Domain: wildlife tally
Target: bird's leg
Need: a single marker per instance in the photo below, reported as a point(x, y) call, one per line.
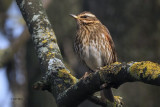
point(85, 75)
point(103, 86)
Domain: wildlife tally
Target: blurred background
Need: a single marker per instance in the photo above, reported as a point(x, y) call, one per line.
point(135, 29)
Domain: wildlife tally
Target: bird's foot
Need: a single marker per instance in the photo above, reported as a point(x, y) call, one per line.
point(103, 86)
point(85, 75)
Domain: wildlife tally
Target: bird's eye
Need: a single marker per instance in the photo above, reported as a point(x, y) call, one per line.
point(84, 16)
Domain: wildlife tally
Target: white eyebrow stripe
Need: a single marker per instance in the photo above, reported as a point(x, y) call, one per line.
point(88, 14)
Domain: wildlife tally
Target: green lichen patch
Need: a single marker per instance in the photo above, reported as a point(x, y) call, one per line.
point(68, 78)
point(50, 54)
point(118, 101)
point(117, 67)
point(44, 41)
point(113, 68)
point(111, 104)
point(145, 69)
point(60, 85)
point(116, 63)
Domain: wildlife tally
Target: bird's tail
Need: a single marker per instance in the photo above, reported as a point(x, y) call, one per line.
point(107, 94)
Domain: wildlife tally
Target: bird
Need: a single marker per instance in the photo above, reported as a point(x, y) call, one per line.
point(94, 45)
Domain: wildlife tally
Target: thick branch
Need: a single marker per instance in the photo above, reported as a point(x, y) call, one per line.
point(114, 75)
point(8, 53)
point(46, 45)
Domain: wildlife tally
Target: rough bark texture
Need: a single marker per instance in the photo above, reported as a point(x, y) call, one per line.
point(66, 89)
point(46, 45)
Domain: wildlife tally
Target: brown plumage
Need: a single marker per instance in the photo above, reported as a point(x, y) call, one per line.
point(94, 44)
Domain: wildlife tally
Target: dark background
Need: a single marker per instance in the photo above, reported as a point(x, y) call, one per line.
point(134, 26)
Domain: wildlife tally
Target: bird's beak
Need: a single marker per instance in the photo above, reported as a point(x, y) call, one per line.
point(74, 16)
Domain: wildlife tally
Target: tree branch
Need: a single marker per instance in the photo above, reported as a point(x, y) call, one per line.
point(66, 89)
point(114, 75)
point(8, 53)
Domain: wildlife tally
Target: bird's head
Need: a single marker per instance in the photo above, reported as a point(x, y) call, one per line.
point(85, 18)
